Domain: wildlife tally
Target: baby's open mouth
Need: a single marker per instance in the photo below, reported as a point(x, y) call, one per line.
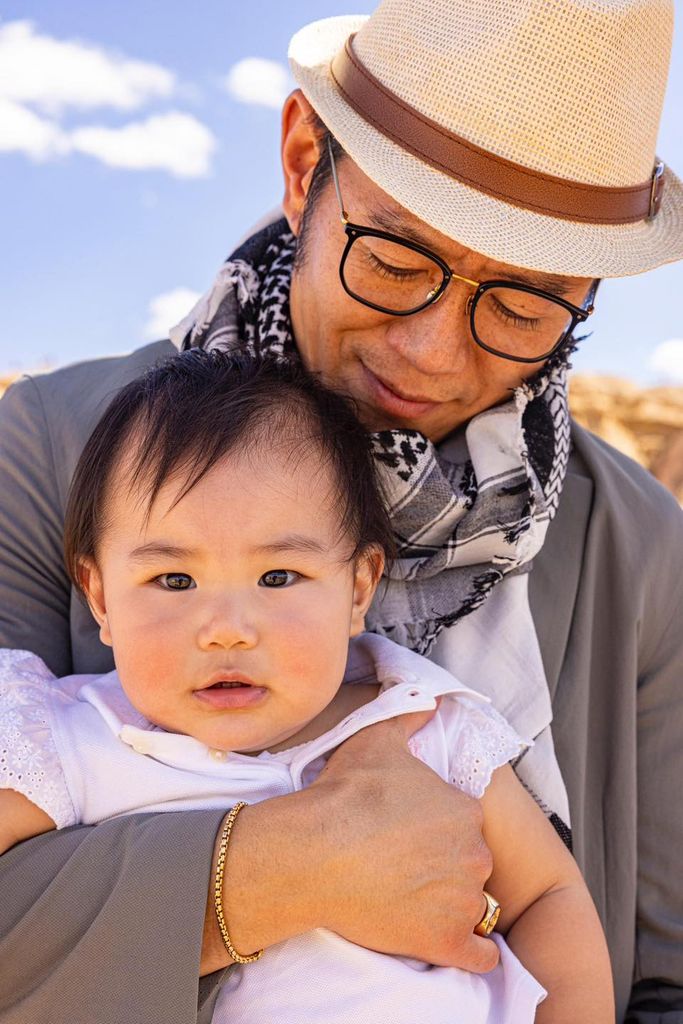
point(230, 693)
point(226, 686)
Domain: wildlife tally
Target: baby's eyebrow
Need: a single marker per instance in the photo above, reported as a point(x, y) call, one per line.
point(158, 549)
point(291, 542)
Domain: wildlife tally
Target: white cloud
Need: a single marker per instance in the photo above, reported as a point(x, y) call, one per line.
point(173, 142)
point(54, 74)
point(667, 360)
point(255, 80)
point(41, 77)
point(22, 131)
point(167, 309)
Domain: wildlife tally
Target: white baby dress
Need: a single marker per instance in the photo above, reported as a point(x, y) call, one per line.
point(79, 750)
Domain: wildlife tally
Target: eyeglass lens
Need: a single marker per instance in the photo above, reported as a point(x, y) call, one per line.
point(399, 279)
point(389, 274)
point(518, 323)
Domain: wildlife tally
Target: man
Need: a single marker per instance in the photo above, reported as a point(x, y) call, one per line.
point(483, 166)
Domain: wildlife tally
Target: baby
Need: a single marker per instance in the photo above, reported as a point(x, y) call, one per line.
point(226, 527)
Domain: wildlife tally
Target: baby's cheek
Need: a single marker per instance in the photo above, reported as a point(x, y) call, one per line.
point(315, 650)
point(147, 654)
point(160, 626)
point(302, 624)
point(151, 682)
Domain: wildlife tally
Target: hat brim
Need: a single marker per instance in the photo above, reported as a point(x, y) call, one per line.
point(487, 225)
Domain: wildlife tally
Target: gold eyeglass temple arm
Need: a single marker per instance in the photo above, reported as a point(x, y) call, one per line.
point(342, 212)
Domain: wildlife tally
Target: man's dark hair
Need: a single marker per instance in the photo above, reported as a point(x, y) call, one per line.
point(185, 415)
point(322, 175)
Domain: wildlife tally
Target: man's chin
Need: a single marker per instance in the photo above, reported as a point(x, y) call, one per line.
point(376, 420)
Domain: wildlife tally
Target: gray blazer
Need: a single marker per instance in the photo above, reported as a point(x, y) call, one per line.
point(606, 594)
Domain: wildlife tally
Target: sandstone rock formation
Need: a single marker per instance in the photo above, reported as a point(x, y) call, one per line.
point(645, 423)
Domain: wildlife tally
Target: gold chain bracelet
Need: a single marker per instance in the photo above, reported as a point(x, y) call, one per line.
point(218, 889)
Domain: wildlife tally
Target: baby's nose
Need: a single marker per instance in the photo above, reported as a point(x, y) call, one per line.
point(227, 625)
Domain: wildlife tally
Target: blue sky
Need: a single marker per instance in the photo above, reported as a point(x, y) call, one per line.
point(97, 254)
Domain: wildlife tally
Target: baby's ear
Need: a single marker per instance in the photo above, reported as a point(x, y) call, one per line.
point(90, 579)
point(367, 574)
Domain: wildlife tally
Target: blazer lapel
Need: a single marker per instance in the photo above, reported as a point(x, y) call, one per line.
point(554, 579)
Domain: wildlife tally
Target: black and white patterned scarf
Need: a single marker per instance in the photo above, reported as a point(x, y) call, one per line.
point(461, 525)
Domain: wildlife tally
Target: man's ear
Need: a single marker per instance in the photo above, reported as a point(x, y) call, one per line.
point(91, 583)
point(367, 574)
point(299, 152)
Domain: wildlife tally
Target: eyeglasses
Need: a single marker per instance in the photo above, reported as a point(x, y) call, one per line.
point(399, 277)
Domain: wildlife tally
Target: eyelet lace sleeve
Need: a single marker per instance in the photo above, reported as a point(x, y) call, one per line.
point(29, 762)
point(485, 741)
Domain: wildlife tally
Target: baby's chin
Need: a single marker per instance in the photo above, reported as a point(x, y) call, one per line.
point(227, 730)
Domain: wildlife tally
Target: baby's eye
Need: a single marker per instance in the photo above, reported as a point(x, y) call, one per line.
point(175, 581)
point(278, 578)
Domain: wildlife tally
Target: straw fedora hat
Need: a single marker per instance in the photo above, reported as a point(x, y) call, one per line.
point(524, 129)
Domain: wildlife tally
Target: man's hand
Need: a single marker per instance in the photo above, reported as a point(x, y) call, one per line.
point(379, 849)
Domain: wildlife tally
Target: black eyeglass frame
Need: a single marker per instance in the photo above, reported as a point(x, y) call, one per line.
point(353, 232)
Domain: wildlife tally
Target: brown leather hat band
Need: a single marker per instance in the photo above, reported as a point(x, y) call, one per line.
point(484, 171)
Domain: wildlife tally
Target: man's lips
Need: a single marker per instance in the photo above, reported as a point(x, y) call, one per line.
point(230, 689)
point(384, 396)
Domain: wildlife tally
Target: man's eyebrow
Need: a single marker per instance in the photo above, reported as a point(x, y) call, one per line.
point(158, 550)
point(388, 220)
point(291, 542)
point(544, 283)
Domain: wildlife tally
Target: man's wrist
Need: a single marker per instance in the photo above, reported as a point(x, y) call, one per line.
point(270, 888)
point(223, 843)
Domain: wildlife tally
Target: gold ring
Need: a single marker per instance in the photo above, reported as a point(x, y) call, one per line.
point(490, 918)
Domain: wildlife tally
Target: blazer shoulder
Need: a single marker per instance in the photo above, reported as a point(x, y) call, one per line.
point(79, 393)
point(64, 405)
point(90, 385)
point(635, 528)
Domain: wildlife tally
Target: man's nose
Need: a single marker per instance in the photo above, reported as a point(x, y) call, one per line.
point(226, 624)
point(437, 340)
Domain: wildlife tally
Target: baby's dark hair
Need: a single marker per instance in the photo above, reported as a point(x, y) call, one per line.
point(186, 414)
